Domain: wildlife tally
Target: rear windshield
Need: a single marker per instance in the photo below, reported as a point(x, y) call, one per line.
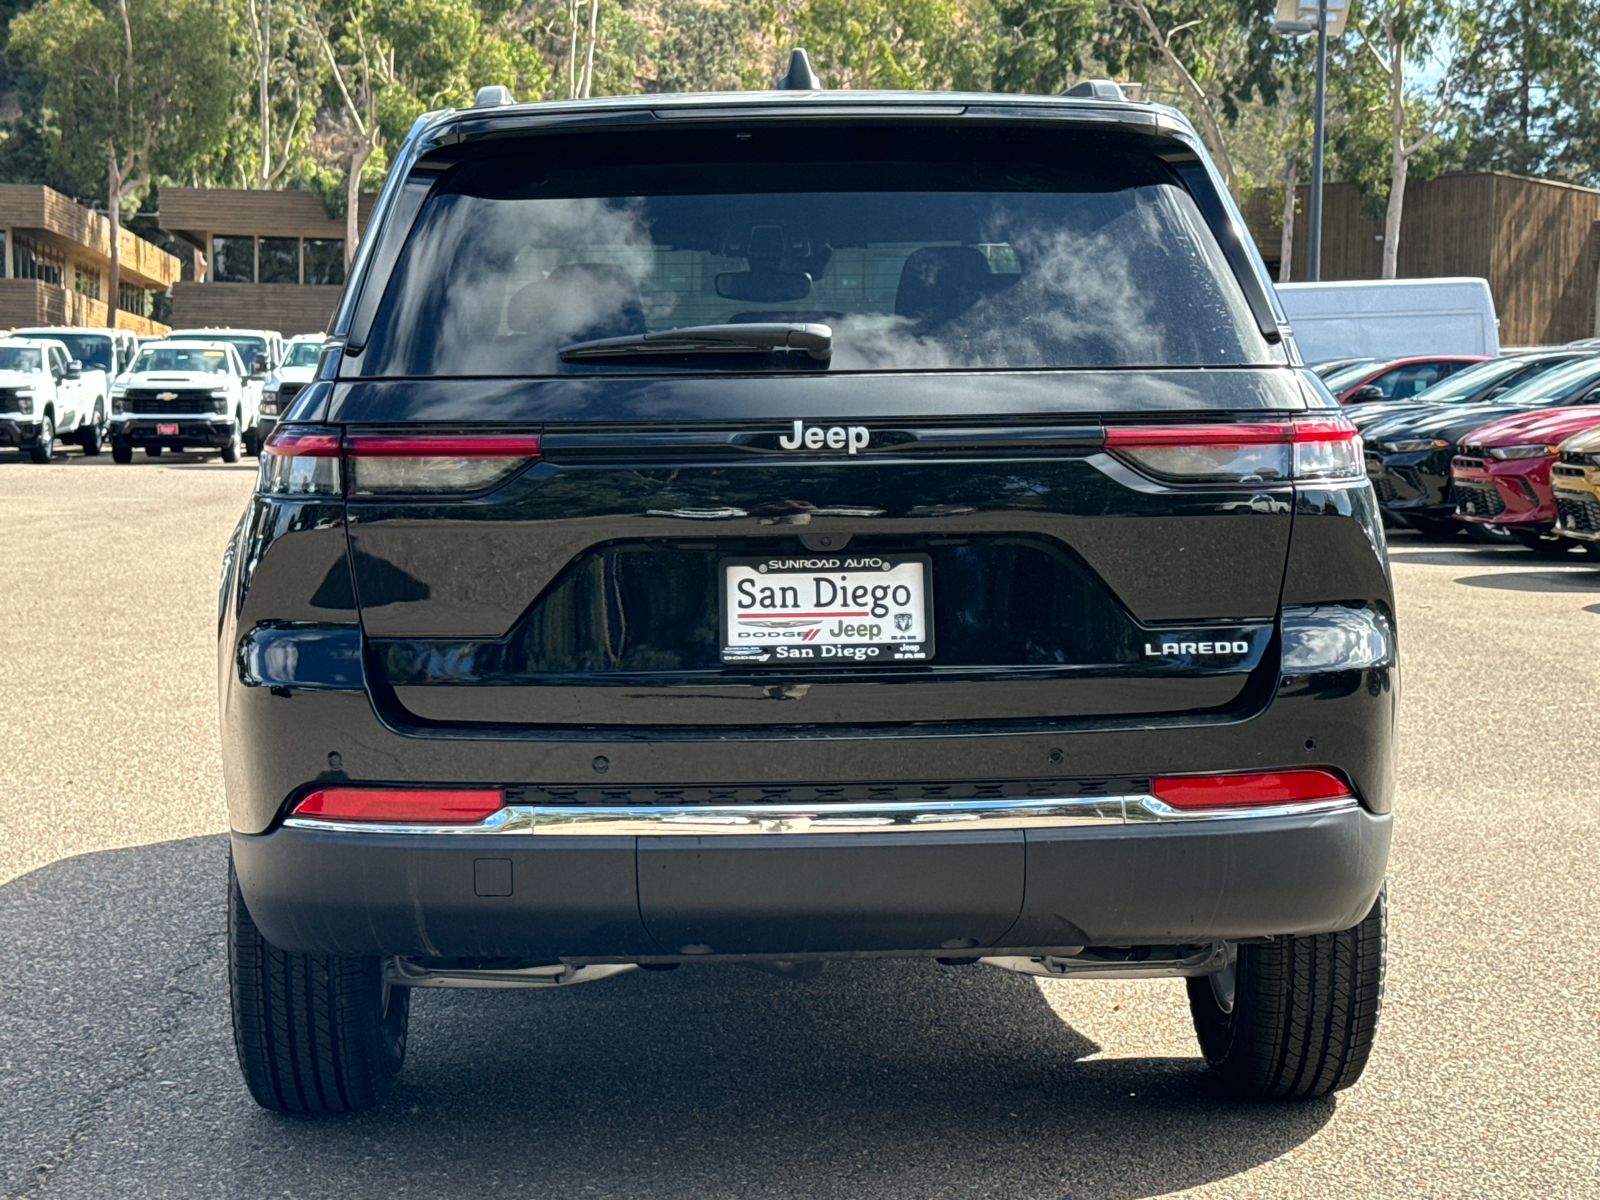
point(919, 252)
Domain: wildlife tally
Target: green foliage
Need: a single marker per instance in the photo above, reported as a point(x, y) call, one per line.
point(711, 46)
point(893, 43)
point(1040, 48)
point(1524, 77)
point(174, 102)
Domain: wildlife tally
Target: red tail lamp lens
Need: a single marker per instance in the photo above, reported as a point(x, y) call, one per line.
point(1248, 791)
point(1307, 448)
point(403, 806)
point(442, 445)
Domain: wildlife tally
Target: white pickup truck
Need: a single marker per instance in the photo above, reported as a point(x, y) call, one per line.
point(180, 396)
point(45, 394)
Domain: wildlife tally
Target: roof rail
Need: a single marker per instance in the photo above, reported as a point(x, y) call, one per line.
point(1096, 89)
point(492, 95)
point(799, 77)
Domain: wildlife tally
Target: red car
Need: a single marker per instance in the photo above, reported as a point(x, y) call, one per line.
point(1396, 378)
point(1501, 477)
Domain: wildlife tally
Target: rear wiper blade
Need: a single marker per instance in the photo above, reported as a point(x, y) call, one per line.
point(815, 340)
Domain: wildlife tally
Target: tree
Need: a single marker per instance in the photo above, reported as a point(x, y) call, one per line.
point(390, 61)
point(710, 46)
point(1525, 75)
point(132, 88)
point(891, 43)
point(1217, 56)
point(290, 74)
point(1040, 48)
point(1395, 32)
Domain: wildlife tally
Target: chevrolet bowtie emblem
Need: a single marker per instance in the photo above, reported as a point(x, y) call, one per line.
point(166, 395)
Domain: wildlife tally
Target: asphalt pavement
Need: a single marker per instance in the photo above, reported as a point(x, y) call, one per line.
point(875, 1080)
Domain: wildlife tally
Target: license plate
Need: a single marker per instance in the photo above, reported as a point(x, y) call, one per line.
point(166, 431)
point(827, 609)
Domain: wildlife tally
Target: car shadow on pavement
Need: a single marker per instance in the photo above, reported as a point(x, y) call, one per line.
point(878, 1079)
point(1566, 579)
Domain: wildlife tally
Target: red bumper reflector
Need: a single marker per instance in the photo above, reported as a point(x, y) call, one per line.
point(402, 806)
point(442, 445)
point(1248, 790)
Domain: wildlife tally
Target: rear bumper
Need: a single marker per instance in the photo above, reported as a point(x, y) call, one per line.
point(625, 898)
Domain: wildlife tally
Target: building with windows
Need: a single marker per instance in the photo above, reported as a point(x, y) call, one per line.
point(266, 260)
point(57, 264)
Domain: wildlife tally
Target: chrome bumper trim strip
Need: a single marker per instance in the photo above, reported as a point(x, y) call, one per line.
point(897, 817)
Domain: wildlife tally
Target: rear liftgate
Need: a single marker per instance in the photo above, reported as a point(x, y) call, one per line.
point(744, 581)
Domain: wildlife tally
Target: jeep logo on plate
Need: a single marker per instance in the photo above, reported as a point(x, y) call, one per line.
point(852, 439)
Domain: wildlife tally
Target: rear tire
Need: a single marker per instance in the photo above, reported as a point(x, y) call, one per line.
point(1303, 1015)
point(315, 1033)
point(122, 454)
point(232, 449)
point(44, 448)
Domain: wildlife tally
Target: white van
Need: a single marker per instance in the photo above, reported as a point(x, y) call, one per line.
point(1391, 318)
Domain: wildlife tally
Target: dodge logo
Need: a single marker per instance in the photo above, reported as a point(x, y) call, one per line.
point(852, 439)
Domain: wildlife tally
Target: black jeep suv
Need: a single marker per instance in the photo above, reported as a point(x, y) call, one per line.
point(784, 527)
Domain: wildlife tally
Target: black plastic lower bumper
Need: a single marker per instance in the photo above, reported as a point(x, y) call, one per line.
point(627, 898)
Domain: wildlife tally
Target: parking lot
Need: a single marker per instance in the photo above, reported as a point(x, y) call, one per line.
point(875, 1080)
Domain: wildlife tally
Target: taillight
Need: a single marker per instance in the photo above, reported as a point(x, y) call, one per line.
point(402, 806)
point(1262, 451)
point(1262, 789)
point(300, 460)
point(412, 463)
point(305, 460)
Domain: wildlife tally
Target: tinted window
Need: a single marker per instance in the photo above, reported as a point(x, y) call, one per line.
point(1402, 383)
point(279, 261)
point(918, 251)
point(325, 261)
point(233, 260)
point(93, 350)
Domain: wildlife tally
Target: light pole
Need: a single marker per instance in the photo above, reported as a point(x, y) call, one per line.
point(1295, 19)
point(1318, 110)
